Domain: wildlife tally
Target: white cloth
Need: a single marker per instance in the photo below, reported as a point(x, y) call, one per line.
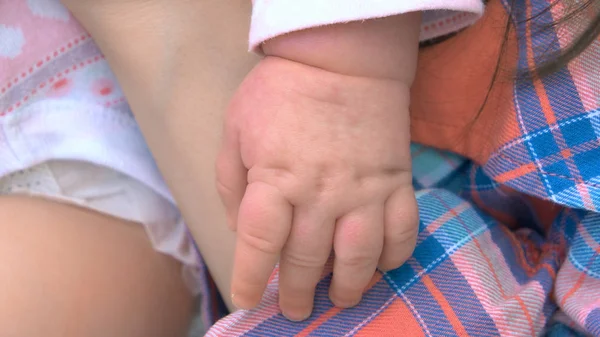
point(109, 192)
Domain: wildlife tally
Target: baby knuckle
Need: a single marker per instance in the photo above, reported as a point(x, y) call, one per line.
point(402, 174)
point(304, 260)
point(357, 260)
point(283, 178)
point(223, 189)
point(260, 242)
point(403, 234)
point(326, 184)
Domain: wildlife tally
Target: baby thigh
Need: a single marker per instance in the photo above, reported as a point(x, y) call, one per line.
point(66, 272)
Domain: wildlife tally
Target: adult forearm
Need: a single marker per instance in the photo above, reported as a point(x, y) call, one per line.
point(178, 63)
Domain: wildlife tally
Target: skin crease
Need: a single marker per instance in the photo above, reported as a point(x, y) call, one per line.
point(316, 157)
point(358, 175)
point(333, 168)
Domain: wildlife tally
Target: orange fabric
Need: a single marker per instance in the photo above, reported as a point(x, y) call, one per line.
point(387, 323)
point(452, 81)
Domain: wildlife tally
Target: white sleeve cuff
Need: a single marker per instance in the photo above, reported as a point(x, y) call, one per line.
point(271, 18)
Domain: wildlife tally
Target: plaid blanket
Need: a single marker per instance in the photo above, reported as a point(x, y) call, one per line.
point(509, 238)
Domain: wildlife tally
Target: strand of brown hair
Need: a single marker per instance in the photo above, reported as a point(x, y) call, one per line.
point(552, 62)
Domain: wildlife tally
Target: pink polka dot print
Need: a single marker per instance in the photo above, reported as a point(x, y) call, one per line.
point(60, 87)
point(103, 87)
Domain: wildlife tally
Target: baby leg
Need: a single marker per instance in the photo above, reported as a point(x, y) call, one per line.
point(66, 271)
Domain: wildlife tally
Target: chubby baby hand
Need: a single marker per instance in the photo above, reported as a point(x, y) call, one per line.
point(315, 162)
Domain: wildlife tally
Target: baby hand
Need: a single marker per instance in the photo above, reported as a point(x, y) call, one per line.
point(314, 161)
point(316, 158)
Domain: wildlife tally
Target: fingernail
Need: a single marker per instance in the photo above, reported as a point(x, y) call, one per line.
point(236, 305)
point(233, 301)
point(295, 317)
point(346, 303)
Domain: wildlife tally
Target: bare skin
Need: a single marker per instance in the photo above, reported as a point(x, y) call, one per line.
point(349, 191)
point(178, 100)
point(316, 159)
point(70, 272)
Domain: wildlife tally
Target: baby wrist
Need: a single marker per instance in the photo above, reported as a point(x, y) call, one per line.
point(378, 48)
